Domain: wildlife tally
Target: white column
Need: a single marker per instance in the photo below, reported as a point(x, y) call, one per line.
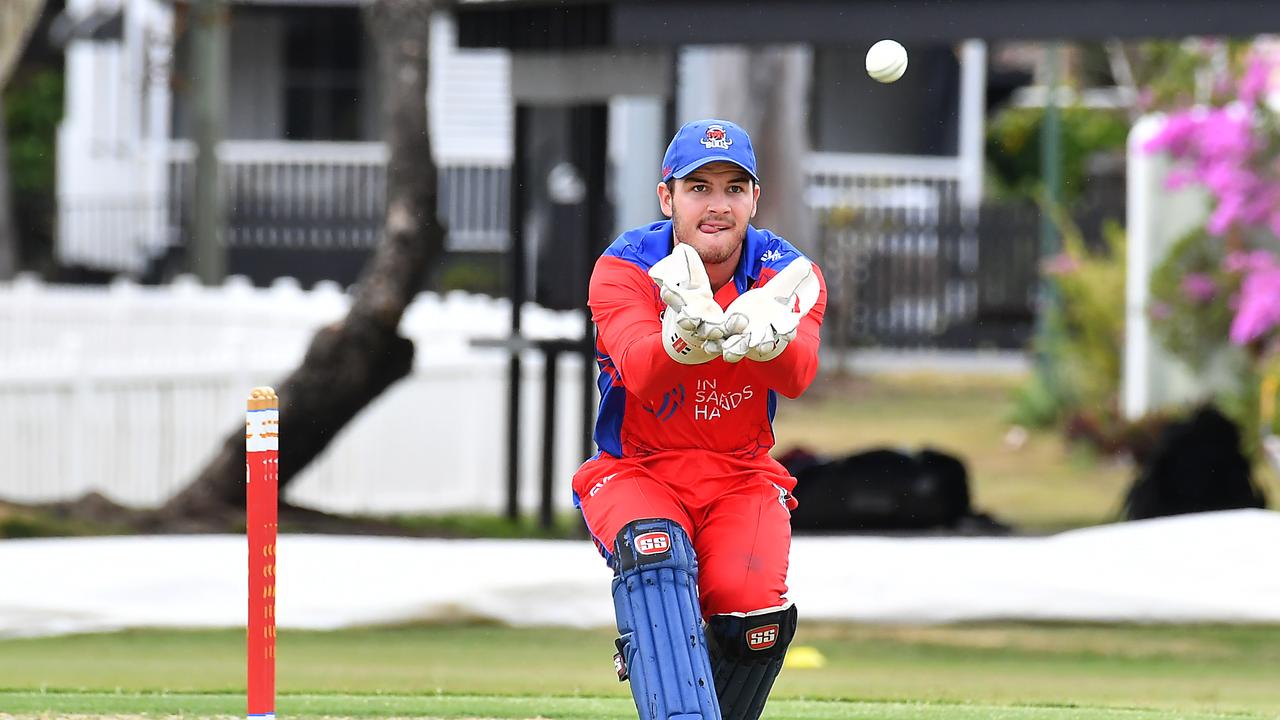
point(1135, 391)
point(1156, 218)
point(158, 57)
point(973, 101)
point(695, 96)
point(75, 138)
point(636, 144)
point(133, 81)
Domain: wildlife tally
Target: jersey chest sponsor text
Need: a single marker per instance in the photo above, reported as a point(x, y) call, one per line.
point(712, 399)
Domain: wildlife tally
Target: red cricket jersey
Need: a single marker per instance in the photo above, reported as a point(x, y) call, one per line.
point(650, 404)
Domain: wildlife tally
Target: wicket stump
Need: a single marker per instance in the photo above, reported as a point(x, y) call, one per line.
point(262, 443)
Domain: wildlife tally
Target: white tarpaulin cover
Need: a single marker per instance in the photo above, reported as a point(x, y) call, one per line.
point(1218, 567)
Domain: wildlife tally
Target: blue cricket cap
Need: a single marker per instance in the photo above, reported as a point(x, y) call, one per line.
point(707, 141)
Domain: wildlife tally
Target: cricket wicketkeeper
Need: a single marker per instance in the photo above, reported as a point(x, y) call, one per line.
point(701, 322)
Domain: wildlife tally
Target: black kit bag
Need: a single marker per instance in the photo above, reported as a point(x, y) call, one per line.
point(882, 489)
point(1197, 466)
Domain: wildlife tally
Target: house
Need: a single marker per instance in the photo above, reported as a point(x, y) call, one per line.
point(302, 167)
point(302, 171)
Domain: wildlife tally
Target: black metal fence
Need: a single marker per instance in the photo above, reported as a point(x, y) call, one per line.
point(341, 205)
point(300, 216)
point(938, 276)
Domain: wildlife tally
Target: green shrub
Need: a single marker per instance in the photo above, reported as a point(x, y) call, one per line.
point(1013, 147)
point(1192, 327)
point(1035, 404)
point(1081, 344)
point(471, 273)
point(32, 111)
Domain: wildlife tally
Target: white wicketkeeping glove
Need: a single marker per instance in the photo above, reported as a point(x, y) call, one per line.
point(771, 313)
point(693, 324)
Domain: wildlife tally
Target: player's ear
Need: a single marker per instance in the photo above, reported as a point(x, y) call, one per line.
point(665, 198)
point(755, 198)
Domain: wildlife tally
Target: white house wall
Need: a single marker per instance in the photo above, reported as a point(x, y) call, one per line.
point(470, 109)
point(470, 92)
point(114, 141)
point(103, 174)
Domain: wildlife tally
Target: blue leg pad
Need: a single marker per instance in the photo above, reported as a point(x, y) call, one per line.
point(655, 597)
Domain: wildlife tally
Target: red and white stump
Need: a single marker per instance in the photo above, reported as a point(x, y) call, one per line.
point(262, 443)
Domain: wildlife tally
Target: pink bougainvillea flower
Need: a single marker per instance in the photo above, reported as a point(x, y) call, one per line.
point(1255, 80)
point(1225, 214)
point(1221, 177)
point(1226, 134)
point(1261, 202)
point(1243, 262)
point(1228, 149)
point(1218, 145)
point(1198, 287)
point(1259, 313)
point(1176, 134)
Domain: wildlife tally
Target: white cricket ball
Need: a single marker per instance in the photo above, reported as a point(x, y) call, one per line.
point(887, 61)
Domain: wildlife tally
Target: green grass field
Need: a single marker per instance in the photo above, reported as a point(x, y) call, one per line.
point(965, 672)
point(1018, 672)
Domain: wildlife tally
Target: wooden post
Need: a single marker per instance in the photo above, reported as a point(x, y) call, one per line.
point(206, 256)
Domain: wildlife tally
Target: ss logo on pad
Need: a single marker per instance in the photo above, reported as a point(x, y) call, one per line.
point(652, 543)
point(762, 638)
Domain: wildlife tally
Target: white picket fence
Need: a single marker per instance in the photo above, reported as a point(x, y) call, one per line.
point(128, 390)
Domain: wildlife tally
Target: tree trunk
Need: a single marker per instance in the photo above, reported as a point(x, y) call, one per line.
point(17, 19)
point(352, 361)
point(8, 229)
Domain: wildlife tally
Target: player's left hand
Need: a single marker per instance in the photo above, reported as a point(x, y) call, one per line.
point(686, 289)
point(771, 313)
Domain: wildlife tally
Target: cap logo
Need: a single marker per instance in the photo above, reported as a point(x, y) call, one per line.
point(716, 138)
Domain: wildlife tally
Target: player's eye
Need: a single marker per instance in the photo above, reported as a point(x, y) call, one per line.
point(699, 187)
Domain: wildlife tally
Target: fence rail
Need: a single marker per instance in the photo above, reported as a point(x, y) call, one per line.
point(128, 390)
point(326, 194)
point(281, 195)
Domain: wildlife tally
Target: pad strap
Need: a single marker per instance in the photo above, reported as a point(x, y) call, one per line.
point(747, 652)
point(655, 597)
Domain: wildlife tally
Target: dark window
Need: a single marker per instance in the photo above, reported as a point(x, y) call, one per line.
point(322, 68)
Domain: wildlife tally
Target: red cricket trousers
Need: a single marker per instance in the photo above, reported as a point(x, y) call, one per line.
point(736, 512)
